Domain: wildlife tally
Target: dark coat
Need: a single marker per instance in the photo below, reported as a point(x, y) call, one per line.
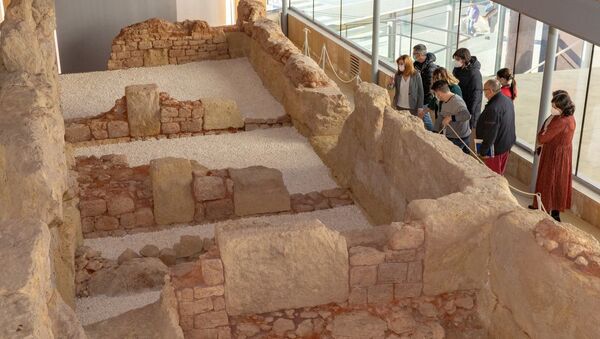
point(426, 69)
point(554, 174)
point(471, 84)
point(497, 125)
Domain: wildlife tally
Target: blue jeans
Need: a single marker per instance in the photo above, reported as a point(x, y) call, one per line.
point(460, 144)
point(427, 121)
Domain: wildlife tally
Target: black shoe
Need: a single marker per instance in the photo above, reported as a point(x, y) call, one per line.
point(531, 207)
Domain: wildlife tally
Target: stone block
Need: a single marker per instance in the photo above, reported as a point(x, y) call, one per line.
point(119, 205)
point(259, 189)
point(208, 291)
point(415, 272)
point(168, 256)
point(156, 57)
point(150, 251)
point(221, 114)
point(363, 276)
point(365, 256)
point(172, 190)
point(118, 129)
point(92, 208)
point(264, 263)
point(188, 246)
point(209, 188)
point(407, 290)
point(380, 294)
point(106, 223)
point(406, 237)
point(358, 296)
point(77, 133)
point(212, 271)
point(358, 324)
point(144, 217)
point(392, 272)
point(219, 209)
point(211, 319)
point(170, 127)
point(195, 307)
point(192, 126)
point(143, 110)
point(169, 112)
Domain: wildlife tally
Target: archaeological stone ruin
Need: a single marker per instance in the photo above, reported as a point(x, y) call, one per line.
point(137, 207)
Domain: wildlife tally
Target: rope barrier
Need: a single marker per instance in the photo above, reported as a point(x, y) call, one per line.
point(537, 196)
point(325, 59)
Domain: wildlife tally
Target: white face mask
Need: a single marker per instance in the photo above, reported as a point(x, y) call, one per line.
point(401, 68)
point(555, 111)
point(458, 63)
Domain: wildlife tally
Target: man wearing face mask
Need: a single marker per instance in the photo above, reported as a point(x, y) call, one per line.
point(496, 127)
point(467, 71)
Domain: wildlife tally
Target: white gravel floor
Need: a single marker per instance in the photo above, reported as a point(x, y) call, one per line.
point(280, 148)
point(94, 309)
point(86, 94)
point(340, 218)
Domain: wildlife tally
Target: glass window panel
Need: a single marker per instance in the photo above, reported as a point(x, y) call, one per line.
point(328, 13)
point(304, 6)
point(589, 158)
point(357, 23)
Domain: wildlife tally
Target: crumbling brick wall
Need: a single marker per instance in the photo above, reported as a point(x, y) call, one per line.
point(157, 42)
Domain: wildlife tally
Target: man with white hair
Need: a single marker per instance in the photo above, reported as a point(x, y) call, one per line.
point(496, 127)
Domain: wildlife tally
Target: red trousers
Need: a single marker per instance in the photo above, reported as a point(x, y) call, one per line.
point(497, 163)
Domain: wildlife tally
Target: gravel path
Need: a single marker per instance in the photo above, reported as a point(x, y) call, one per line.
point(86, 94)
point(94, 309)
point(280, 148)
point(340, 218)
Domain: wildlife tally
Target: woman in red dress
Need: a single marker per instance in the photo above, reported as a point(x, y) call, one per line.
point(555, 141)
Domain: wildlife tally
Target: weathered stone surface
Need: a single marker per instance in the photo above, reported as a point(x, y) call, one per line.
point(363, 276)
point(24, 245)
point(127, 255)
point(406, 237)
point(259, 189)
point(156, 57)
point(188, 246)
point(219, 209)
point(304, 71)
point(401, 322)
point(172, 190)
point(65, 323)
point(358, 325)
point(364, 256)
point(120, 205)
point(168, 256)
point(281, 325)
point(143, 110)
point(118, 129)
point(211, 319)
point(150, 251)
point(106, 223)
point(209, 188)
point(264, 262)
point(91, 208)
point(212, 271)
point(221, 114)
point(144, 217)
point(540, 290)
point(132, 275)
point(380, 294)
point(158, 320)
point(77, 133)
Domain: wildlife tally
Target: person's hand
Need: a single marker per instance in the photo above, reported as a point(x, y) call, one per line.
point(421, 113)
point(390, 84)
point(446, 121)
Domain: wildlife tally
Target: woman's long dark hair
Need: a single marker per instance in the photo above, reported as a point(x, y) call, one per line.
point(507, 75)
point(563, 101)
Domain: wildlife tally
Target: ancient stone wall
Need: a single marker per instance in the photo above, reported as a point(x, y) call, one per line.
point(178, 119)
point(477, 237)
point(39, 224)
point(157, 42)
point(116, 199)
point(315, 102)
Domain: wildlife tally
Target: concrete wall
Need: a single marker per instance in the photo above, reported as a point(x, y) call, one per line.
point(86, 28)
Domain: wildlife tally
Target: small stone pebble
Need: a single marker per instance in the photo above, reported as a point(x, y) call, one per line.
point(581, 261)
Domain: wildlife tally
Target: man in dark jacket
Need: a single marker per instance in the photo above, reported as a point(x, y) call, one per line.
point(467, 71)
point(496, 127)
point(425, 64)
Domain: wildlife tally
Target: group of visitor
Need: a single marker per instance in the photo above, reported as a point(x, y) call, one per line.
point(450, 103)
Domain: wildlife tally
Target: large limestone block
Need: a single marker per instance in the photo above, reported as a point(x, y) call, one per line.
point(259, 189)
point(273, 267)
point(172, 190)
point(26, 287)
point(358, 325)
point(221, 114)
point(143, 110)
point(545, 293)
point(156, 57)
